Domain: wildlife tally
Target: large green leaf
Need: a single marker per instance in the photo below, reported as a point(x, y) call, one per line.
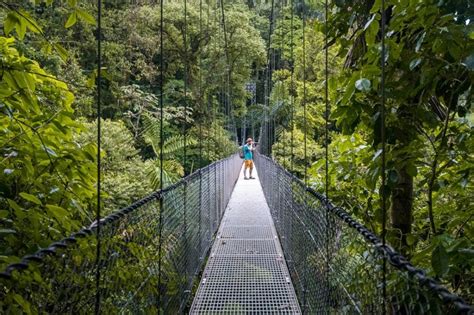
point(84, 15)
point(31, 198)
point(71, 20)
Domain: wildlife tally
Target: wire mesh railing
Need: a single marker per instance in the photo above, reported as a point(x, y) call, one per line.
point(336, 264)
point(135, 276)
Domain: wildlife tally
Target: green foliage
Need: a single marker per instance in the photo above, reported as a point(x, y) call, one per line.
point(42, 136)
point(283, 151)
point(46, 179)
point(123, 172)
point(49, 154)
point(21, 22)
point(171, 147)
point(428, 89)
point(48, 167)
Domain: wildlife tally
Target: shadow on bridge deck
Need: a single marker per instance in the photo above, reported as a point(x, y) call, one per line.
point(246, 271)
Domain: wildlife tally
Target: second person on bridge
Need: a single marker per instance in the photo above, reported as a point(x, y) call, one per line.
point(248, 158)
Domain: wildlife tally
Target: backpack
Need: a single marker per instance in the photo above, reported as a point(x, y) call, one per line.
point(241, 152)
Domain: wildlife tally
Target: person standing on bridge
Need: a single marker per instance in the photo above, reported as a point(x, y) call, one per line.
point(248, 158)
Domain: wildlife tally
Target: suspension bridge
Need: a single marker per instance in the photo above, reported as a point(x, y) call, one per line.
point(213, 243)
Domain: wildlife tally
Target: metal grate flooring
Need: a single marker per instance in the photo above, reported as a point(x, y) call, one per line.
point(246, 272)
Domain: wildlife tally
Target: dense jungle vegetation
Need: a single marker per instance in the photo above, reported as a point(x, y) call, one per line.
point(48, 140)
point(429, 121)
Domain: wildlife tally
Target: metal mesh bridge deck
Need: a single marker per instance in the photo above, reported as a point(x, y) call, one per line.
point(246, 271)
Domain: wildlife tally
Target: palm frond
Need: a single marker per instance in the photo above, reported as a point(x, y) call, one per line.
point(151, 131)
point(174, 144)
point(172, 172)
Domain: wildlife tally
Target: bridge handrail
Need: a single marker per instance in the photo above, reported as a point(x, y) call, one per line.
point(64, 243)
point(395, 258)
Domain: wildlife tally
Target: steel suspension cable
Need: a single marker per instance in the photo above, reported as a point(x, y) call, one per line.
point(160, 222)
point(276, 66)
point(200, 137)
point(326, 140)
point(280, 66)
point(185, 109)
point(264, 129)
point(200, 89)
point(218, 130)
point(269, 75)
point(303, 282)
point(304, 97)
point(292, 99)
point(305, 158)
point(292, 87)
point(227, 89)
point(185, 79)
point(222, 85)
point(272, 120)
point(209, 126)
point(383, 140)
point(99, 114)
point(292, 104)
point(326, 98)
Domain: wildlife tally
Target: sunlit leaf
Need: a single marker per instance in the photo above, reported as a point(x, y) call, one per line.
point(85, 16)
point(61, 51)
point(30, 197)
point(72, 19)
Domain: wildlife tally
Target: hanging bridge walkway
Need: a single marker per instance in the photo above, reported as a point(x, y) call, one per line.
point(213, 243)
point(279, 248)
point(246, 271)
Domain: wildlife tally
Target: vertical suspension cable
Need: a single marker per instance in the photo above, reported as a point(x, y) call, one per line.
point(200, 89)
point(265, 116)
point(292, 108)
point(303, 13)
point(229, 104)
point(292, 87)
point(383, 140)
point(269, 76)
point(271, 130)
point(280, 65)
point(200, 139)
point(185, 186)
point(304, 96)
point(216, 135)
point(221, 101)
point(212, 136)
point(326, 98)
point(99, 114)
point(160, 222)
point(326, 140)
point(220, 135)
point(185, 79)
point(227, 100)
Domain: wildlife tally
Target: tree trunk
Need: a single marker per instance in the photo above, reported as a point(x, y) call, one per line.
point(401, 207)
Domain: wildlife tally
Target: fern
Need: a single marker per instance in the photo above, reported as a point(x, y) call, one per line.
point(175, 144)
point(172, 171)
